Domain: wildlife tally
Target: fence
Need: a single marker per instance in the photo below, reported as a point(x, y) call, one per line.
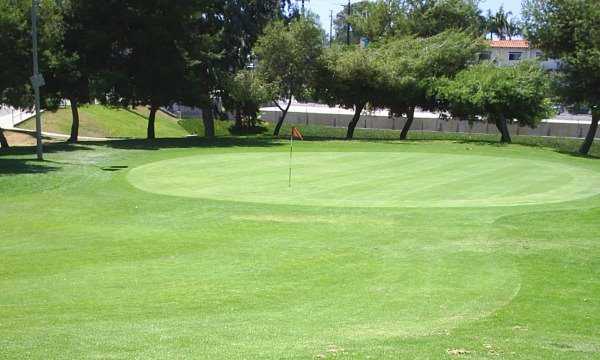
point(574, 127)
point(10, 117)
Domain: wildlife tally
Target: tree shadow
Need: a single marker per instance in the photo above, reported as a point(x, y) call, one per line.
point(558, 145)
point(133, 112)
point(49, 148)
point(187, 142)
point(24, 166)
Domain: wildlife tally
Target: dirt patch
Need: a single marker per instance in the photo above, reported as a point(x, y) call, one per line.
point(19, 139)
point(458, 352)
point(22, 139)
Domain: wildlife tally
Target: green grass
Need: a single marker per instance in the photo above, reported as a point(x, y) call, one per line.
point(566, 145)
point(102, 121)
point(196, 126)
point(381, 249)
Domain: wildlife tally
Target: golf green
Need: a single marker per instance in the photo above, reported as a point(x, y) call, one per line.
point(368, 179)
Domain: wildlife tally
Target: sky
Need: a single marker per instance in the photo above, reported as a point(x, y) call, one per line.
point(323, 7)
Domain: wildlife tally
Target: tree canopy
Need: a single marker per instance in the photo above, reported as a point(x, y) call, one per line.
point(15, 41)
point(502, 24)
point(288, 57)
point(350, 77)
point(432, 17)
point(244, 95)
point(568, 30)
point(412, 66)
point(498, 95)
point(15, 69)
point(422, 18)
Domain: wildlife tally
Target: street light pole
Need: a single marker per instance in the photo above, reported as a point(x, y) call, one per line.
point(36, 80)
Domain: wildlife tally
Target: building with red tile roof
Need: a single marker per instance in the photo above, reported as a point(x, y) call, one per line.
point(511, 52)
point(510, 44)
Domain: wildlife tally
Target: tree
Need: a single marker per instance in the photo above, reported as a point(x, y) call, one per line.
point(432, 17)
point(498, 95)
point(377, 19)
point(288, 56)
point(152, 66)
point(514, 28)
point(344, 33)
point(397, 18)
point(77, 49)
point(352, 78)
point(502, 24)
point(180, 51)
point(568, 30)
point(244, 96)
point(221, 39)
point(413, 66)
point(15, 68)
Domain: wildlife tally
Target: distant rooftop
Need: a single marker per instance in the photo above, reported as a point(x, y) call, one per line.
point(524, 44)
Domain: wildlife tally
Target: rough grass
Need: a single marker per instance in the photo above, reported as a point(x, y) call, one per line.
point(93, 267)
point(102, 121)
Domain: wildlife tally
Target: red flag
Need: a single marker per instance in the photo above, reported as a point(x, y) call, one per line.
point(296, 134)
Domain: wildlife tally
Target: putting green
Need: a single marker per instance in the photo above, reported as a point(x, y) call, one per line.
point(368, 179)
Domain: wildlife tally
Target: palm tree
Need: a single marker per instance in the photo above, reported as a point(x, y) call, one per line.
point(500, 24)
point(490, 24)
point(502, 21)
point(514, 28)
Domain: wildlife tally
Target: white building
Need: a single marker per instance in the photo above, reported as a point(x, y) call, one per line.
point(511, 52)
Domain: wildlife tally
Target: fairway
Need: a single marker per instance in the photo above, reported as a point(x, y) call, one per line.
point(368, 179)
point(380, 250)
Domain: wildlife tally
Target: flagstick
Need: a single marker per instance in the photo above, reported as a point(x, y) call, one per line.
point(291, 152)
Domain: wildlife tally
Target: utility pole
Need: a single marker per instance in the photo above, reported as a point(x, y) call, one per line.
point(37, 80)
point(348, 23)
point(330, 28)
point(303, 9)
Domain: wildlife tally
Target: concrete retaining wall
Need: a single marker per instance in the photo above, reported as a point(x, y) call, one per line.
point(551, 128)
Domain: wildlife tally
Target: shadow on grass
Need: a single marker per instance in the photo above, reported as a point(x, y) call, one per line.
point(24, 166)
point(49, 148)
point(562, 146)
point(133, 112)
point(144, 144)
point(187, 142)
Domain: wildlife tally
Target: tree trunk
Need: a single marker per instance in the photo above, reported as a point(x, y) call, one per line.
point(3, 141)
point(209, 121)
point(282, 118)
point(75, 124)
point(151, 121)
point(410, 117)
point(357, 111)
point(238, 119)
point(589, 139)
point(503, 128)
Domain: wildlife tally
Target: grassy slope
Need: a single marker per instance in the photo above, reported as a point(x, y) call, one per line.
point(101, 121)
point(106, 270)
